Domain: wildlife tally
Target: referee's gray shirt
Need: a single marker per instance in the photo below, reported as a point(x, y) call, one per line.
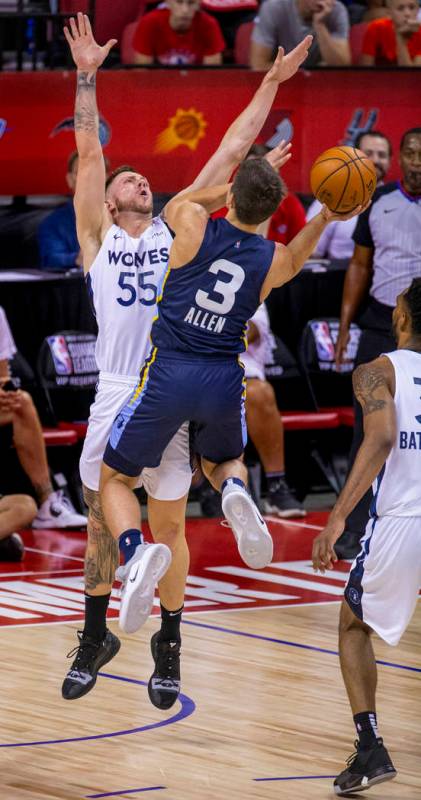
point(392, 227)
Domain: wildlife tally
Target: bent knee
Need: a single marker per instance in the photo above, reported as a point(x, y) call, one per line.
point(349, 621)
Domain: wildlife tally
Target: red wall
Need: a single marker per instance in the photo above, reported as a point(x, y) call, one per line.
point(138, 105)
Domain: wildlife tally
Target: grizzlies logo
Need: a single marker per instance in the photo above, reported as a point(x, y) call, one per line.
point(353, 595)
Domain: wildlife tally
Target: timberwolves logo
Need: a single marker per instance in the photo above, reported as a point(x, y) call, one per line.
point(68, 124)
point(354, 596)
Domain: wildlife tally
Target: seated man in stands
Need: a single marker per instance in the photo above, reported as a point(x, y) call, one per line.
point(57, 240)
point(179, 33)
point(264, 426)
point(17, 409)
point(16, 511)
point(283, 23)
point(336, 241)
point(395, 41)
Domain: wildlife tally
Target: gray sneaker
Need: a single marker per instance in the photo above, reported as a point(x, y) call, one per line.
point(250, 530)
point(139, 578)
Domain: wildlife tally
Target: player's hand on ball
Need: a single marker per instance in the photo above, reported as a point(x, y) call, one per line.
point(323, 554)
point(332, 216)
point(87, 54)
point(285, 66)
point(279, 155)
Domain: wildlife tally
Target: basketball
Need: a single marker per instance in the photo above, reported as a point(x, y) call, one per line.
point(343, 178)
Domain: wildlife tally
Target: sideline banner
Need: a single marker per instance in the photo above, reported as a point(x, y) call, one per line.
point(167, 123)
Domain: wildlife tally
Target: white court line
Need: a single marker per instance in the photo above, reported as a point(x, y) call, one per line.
point(294, 524)
point(53, 555)
point(45, 572)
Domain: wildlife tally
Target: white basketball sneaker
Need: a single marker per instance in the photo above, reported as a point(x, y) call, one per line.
point(58, 512)
point(250, 530)
point(139, 578)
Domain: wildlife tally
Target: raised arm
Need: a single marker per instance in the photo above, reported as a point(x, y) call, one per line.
point(91, 215)
point(246, 127)
point(374, 387)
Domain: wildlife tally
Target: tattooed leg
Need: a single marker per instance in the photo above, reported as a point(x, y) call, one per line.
point(102, 555)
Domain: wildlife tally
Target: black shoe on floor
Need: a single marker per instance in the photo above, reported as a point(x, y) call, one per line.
point(210, 501)
point(11, 548)
point(281, 502)
point(367, 767)
point(348, 545)
point(90, 657)
point(164, 683)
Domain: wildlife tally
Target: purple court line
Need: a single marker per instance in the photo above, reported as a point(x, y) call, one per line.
point(128, 791)
point(187, 708)
point(288, 643)
point(291, 778)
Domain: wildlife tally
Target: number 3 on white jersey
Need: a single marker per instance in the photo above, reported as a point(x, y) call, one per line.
point(226, 290)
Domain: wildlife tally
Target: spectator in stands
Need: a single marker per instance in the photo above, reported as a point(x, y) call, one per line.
point(16, 511)
point(395, 40)
point(366, 12)
point(17, 409)
point(283, 23)
point(264, 425)
point(57, 240)
point(179, 33)
point(386, 258)
point(336, 240)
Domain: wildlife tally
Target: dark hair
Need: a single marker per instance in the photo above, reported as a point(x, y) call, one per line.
point(71, 160)
point(118, 171)
point(379, 134)
point(258, 151)
point(413, 300)
point(409, 133)
point(257, 191)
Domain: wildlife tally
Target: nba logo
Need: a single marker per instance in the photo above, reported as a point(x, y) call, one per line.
point(323, 339)
point(62, 361)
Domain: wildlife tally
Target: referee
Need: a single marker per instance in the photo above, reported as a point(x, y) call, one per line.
point(387, 256)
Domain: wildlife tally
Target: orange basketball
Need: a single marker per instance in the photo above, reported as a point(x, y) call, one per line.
point(343, 178)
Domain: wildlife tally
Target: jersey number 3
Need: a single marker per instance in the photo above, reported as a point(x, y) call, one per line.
point(227, 290)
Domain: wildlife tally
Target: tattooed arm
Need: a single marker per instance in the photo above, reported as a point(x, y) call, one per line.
point(92, 219)
point(374, 388)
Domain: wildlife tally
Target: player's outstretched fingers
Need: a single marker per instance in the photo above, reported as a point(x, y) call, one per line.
point(74, 28)
point(81, 23)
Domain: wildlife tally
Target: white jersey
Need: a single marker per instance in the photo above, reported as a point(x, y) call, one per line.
point(397, 489)
point(124, 282)
point(259, 352)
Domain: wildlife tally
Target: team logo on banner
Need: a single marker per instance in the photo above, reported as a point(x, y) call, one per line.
point(68, 124)
point(185, 127)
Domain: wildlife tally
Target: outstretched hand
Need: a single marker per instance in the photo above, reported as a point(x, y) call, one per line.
point(285, 66)
point(331, 216)
point(87, 54)
point(279, 155)
point(323, 555)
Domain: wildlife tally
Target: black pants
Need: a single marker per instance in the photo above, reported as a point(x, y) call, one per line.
point(374, 341)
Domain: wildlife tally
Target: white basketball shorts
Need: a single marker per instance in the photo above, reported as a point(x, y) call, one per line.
point(385, 578)
point(170, 481)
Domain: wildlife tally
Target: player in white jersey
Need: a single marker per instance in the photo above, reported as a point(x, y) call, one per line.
point(385, 578)
point(125, 254)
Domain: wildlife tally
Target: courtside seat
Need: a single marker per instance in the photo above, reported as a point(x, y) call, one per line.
point(79, 428)
point(310, 420)
point(346, 415)
point(54, 437)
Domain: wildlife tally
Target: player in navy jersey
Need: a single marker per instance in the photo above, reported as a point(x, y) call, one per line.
point(125, 256)
point(219, 273)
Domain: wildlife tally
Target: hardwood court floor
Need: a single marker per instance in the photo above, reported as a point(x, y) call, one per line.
point(263, 698)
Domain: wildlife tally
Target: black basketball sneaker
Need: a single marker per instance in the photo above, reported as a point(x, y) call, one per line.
point(367, 767)
point(90, 657)
point(164, 683)
point(11, 548)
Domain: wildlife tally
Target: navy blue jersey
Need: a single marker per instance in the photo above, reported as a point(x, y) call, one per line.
point(207, 303)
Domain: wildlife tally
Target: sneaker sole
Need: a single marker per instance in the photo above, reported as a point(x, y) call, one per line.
point(139, 592)
point(253, 538)
point(286, 513)
point(388, 776)
point(103, 662)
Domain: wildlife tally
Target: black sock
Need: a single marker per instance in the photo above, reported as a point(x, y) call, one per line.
point(95, 616)
point(366, 726)
point(274, 479)
point(170, 625)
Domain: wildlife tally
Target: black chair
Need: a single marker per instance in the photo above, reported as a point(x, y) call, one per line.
point(289, 383)
point(330, 388)
point(68, 374)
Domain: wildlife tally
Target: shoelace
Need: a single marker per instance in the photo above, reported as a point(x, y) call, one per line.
point(60, 501)
point(350, 760)
point(167, 664)
point(84, 652)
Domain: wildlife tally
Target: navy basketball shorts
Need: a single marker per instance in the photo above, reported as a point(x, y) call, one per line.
point(173, 389)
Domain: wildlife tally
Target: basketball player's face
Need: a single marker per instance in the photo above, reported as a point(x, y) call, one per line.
point(377, 148)
point(410, 159)
point(182, 13)
point(131, 192)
